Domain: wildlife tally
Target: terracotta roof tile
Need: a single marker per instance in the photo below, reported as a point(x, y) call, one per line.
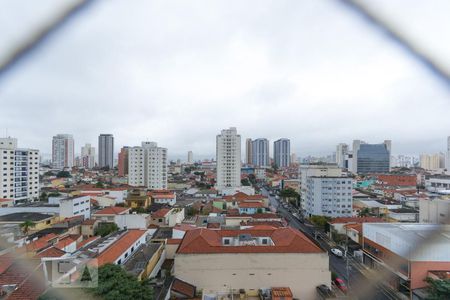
point(286, 240)
point(113, 210)
point(183, 288)
point(113, 252)
point(161, 213)
point(344, 220)
point(50, 252)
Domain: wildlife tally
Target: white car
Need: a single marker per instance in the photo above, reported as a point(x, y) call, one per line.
point(337, 252)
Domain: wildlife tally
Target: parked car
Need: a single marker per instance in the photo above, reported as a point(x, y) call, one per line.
point(337, 252)
point(340, 284)
point(325, 291)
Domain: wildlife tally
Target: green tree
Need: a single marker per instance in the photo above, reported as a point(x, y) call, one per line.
point(438, 288)
point(187, 170)
point(99, 185)
point(289, 193)
point(43, 197)
point(365, 212)
point(63, 174)
point(252, 178)
point(319, 221)
point(104, 229)
point(26, 225)
point(245, 182)
point(86, 276)
point(114, 283)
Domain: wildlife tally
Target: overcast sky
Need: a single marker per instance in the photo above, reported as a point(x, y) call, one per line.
point(177, 72)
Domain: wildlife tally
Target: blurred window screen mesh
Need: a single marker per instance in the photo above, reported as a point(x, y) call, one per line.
point(421, 27)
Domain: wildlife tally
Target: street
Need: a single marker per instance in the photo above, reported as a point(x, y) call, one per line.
point(351, 275)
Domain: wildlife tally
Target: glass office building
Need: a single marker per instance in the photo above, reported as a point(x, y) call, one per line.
point(373, 158)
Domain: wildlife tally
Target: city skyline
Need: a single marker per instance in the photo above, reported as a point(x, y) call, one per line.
point(324, 86)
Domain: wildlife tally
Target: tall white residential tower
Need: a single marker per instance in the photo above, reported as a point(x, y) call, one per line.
point(147, 166)
point(63, 151)
point(19, 175)
point(228, 156)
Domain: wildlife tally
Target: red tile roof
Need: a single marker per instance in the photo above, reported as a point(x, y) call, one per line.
point(281, 292)
point(183, 288)
point(243, 196)
point(113, 210)
point(398, 180)
point(87, 241)
point(286, 240)
point(50, 252)
point(31, 284)
point(113, 252)
point(161, 213)
point(89, 222)
point(345, 220)
point(250, 205)
point(174, 241)
point(66, 241)
point(6, 260)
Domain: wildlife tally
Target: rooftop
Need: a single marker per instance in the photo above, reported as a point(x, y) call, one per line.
point(285, 240)
point(113, 210)
point(24, 216)
point(345, 220)
point(138, 261)
point(114, 251)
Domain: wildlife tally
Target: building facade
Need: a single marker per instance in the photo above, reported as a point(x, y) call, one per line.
point(248, 152)
point(260, 152)
point(220, 261)
point(147, 166)
point(63, 151)
point(228, 157)
point(282, 153)
point(318, 171)
point(19, 174)
point(190, 157)
point(106, 151)
point(88, 156)
point(432, 162)
point(434, 211)
point(122, 162)
point(341, 152)
point(75, 206)
point(329, 196)
point(371, 158)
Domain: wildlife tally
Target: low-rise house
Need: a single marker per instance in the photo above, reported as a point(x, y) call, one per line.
point(167, 217)
point(338, 225)
point(108, 214)
point(250, 207)
point(146, 261)
point(117, 249)
point(267, 257)
point(41, 221)
point(163, 197)
point(138, 198)
point(88, 227)
point(6, 203)
point(75, 206)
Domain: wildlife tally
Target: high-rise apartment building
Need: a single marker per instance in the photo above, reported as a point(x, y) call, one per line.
point(248, 152)
point(432, 162)
point(228, 157)
point(106, 151)
point(87, 156)
point(122, 162)
point(19, 174)
point(371, 158)
point(63, 151)
point(260, 152)
point(306, 171)
point(190, 157)
point(282, 153)
point(448, 154)
point(341, 151)
point(147, 166)
point(329, 196)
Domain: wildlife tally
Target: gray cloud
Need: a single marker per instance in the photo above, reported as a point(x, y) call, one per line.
point(179, 71)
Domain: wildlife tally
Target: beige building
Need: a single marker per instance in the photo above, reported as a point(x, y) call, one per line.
point(432, 162)
point(434, 211)
point(220, 261)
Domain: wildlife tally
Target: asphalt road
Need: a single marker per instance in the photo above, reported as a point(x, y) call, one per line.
point(353, 277)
